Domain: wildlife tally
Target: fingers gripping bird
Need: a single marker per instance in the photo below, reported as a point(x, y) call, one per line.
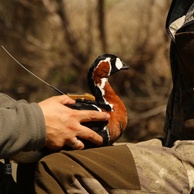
point(105, 99)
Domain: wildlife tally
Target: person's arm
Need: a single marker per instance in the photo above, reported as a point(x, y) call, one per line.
point(26, 126)
point(22, 126)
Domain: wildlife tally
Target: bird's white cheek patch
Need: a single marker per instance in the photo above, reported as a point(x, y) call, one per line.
point(118, 63)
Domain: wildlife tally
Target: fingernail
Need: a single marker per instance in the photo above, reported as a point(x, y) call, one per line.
point(99, 143)
point(107, 116)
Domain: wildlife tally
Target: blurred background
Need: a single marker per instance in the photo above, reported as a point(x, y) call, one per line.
point(59, 40)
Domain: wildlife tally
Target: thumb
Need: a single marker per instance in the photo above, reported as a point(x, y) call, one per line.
point(64, 99)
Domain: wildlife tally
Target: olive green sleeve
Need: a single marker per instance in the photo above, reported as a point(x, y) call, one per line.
point(22, 126)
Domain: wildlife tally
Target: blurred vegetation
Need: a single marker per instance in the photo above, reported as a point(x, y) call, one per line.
point(58, 40)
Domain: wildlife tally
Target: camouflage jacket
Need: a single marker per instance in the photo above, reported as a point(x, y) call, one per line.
point(179, 123)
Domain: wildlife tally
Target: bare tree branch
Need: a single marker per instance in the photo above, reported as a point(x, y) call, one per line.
point(101, 24)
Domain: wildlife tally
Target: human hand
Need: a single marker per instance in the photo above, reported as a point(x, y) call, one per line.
point(63, 124)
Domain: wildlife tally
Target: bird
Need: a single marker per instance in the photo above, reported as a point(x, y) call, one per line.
point(105, 99)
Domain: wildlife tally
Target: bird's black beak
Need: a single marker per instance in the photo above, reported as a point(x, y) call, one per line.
point(125, 66)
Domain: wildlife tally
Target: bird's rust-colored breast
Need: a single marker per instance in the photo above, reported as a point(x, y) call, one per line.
point(118, 116)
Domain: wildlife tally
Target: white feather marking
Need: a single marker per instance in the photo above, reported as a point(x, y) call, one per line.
point(101, 87)
point(118, 64)
point(102, 84)
point(97, 108)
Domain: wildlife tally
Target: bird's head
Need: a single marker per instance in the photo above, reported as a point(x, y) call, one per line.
point(104, 66)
